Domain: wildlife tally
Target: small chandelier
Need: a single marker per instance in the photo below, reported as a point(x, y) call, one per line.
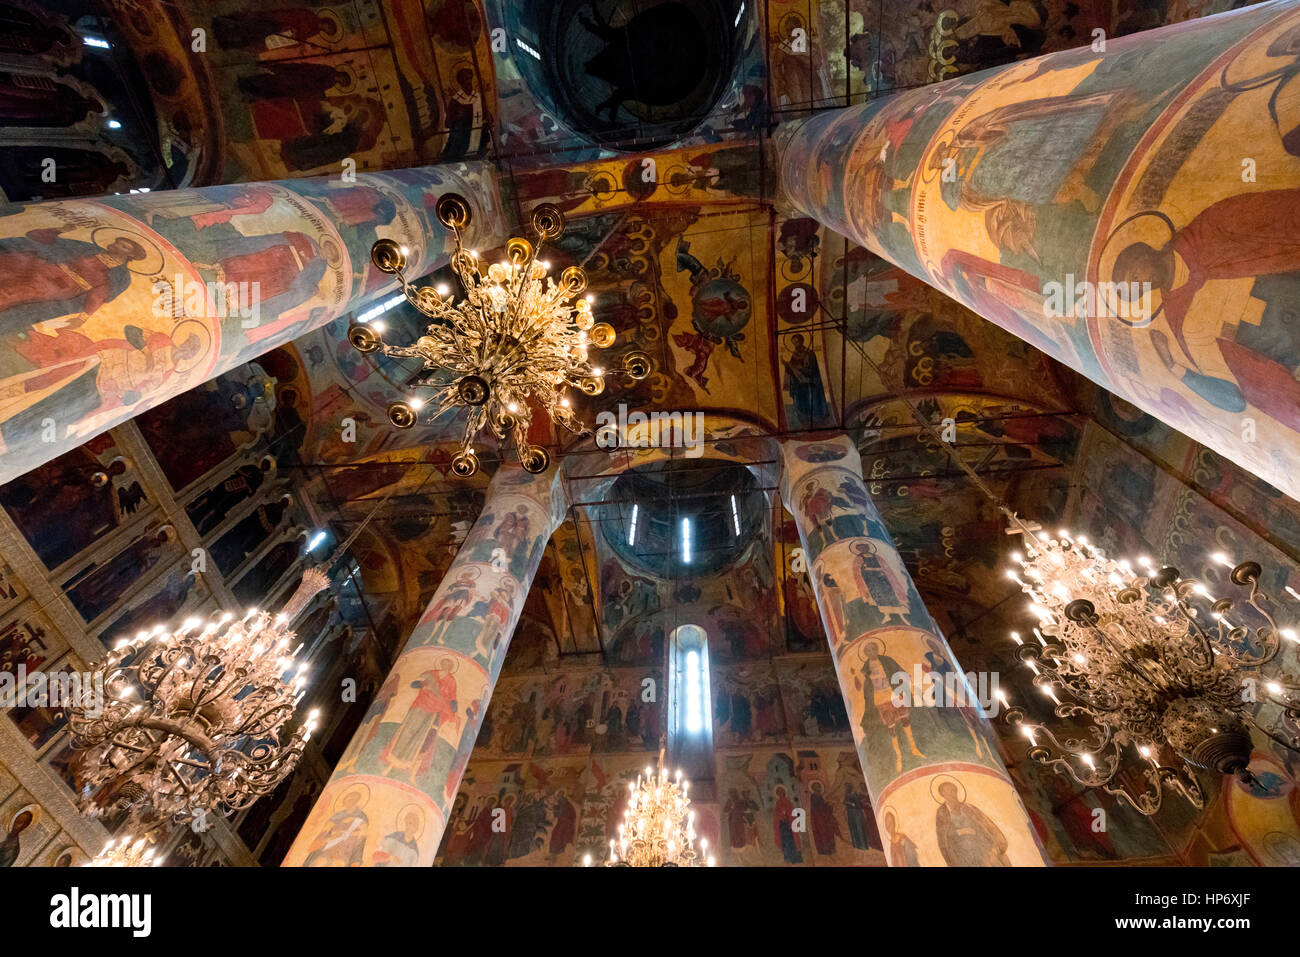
point(658, 828)
point(194, 719)
point(123, 852)
point(517, 338)
point(1163, 674)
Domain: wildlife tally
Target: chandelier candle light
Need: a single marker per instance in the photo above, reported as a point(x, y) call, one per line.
point(1147, 661)
point(517, 338)
point(123, 852)
point(195, 718)
point(658, 828)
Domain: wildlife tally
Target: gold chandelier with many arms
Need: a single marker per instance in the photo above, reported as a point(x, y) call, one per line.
point(658, 828)
point(194, 719)
point(1152, 673)
point(516, 339)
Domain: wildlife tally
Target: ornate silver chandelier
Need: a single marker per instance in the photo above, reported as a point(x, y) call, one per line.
point(516, 339)
point(1152, 674)
point(195, 719)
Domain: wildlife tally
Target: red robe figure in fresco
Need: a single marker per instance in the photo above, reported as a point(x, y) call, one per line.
point(251, 202)
point(413, 745)
point(783, 827)
point(818, 504)
point(1002, 294)
point(566, 825)
point(1252, 234)
point(49, 277)
point(272, 268)
point(701, 347)
point(1241, 237)
point(450, 605)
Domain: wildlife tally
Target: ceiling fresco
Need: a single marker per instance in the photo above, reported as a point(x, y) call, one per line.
point(761, 320)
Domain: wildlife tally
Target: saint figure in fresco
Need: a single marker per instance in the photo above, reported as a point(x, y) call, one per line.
point(11, 845)
point(1245, 236)
point(803, 381)
point(498, 840)
point(370, 726)
point(883, 579)
point(822, 819)
point(833, 598)
point(894, 717)
point(342, 841)
point(495, 614)
point(451, 605)
point(51, 277)
point(902, 849)
point(566, 825)
point(783, 827)
point(863, 832)
point(739, 815)
point(818, 504)
point(967, 836)
point(962, 716)
point(284, 268)
point(401, 848)
point(412, 747)
point(210, 509)
point(465, 119)
point(512, 532)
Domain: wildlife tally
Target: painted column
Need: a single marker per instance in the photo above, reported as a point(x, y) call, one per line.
point(113, 305)
point(1131, 207)
point(387, 801)
point(938, 786)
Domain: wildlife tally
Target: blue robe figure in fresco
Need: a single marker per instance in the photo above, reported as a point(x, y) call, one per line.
point(878, 675)
point(803, 381)
point(783, 827)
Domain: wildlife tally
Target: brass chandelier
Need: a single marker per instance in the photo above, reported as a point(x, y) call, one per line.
point(658, 828)
point(516, 339)
point(125, 852)
point(195, 719)
point(1152, 674)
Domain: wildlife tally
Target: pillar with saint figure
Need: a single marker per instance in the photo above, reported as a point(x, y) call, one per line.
point(939, 788)
point(115, 304)
point(387, 801)
point(1131, 207)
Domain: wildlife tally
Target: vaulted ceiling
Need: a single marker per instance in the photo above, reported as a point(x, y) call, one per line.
point(646, 122)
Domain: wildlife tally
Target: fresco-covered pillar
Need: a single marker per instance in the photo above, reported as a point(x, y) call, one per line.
point(111, 306)
point(938, 786)
point(387, 801)
point(1131, 207)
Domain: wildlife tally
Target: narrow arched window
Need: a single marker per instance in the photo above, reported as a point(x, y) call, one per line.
point(690, 703)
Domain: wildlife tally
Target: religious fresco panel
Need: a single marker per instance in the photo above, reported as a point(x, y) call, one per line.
point(74, 501)
point(41, 724)
point(28, 639)
point(27, 828)
point(100, 585)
